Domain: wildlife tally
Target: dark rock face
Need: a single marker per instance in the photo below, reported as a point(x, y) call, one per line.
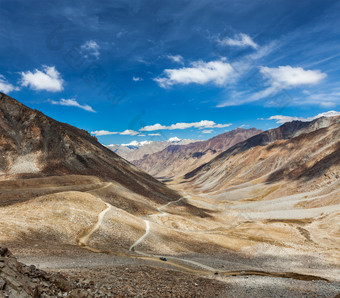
point(19, 280)
point(33, 144)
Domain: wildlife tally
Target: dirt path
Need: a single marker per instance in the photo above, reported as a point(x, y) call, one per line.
point(166, 205)
point(83, 241)
point(179, 263)
point(147, 230)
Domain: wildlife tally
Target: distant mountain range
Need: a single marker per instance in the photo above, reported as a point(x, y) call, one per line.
point(138, 150)
point(176, 160)
point(304, 153)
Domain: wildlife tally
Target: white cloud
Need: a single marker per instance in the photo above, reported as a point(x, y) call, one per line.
point(5, 86)
point(141, 135)
point(288, 76)
point(283, 119)
point(174, 140)
point(207, 131)
point(154, 134)
point(153, 127)
point(216, 72)
point(323, 99)
point(129, 132)
point(183, 125)
point(276, 80)
point(137, 144)
point(48, 79)
point(72, 102)
point(241, 40)
point(176, 58)
point(90, 48)
point(137, 79)
point(99, 133)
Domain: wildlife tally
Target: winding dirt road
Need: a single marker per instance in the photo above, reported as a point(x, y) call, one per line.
point(83, 241)
point(179, 263)
point(147, 230)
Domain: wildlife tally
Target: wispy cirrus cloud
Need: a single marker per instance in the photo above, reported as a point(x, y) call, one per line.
point(48, 79)
point(182, 125)
point(324, 99)
point(280, 119)
point(216, 72)
point(240, 40)
point(176, 58)
point(154, 134)
point(72, 102)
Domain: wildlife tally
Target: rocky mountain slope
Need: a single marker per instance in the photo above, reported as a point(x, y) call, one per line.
point(35, 145)
point(265, 142)
point(176, 160)
point(138, 150)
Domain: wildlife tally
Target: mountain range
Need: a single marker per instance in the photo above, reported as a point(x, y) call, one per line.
point(138, 150)
point(176, 160)
point(246, 203)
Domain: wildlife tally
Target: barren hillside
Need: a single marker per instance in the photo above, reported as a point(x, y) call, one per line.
point(177, 160)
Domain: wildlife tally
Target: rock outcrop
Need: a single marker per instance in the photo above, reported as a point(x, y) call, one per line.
point(21, 281)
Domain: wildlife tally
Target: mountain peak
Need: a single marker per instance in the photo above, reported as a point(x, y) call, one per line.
point(36, 145)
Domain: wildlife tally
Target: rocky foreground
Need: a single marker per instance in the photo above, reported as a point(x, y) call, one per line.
point(19, 280)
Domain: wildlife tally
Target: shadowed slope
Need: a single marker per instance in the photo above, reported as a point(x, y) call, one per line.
point(32, 143)
point(176, 160)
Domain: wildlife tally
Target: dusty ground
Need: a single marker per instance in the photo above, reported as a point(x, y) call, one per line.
point(85, 228)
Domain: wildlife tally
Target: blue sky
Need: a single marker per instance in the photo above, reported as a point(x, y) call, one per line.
point(152, 70)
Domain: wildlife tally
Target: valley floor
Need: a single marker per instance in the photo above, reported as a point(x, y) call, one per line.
point(83, 228)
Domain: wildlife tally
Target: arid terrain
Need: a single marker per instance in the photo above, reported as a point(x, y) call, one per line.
point(176, 160)
point(261, 219)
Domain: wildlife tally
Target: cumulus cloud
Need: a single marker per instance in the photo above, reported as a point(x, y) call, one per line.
point(5, 86)
point(72, 102)
point(241, 40)
point(216, 72)
point(176, 58)
point(137, 79)
point(207, 131)
point(99, 133)
point(174, 140)
point(48, 79)
point(277, 79)
point(183, 125)
point(137, 144)
point(280, 119)
point(288, 76)
point(90, 48)
point(127, 132)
